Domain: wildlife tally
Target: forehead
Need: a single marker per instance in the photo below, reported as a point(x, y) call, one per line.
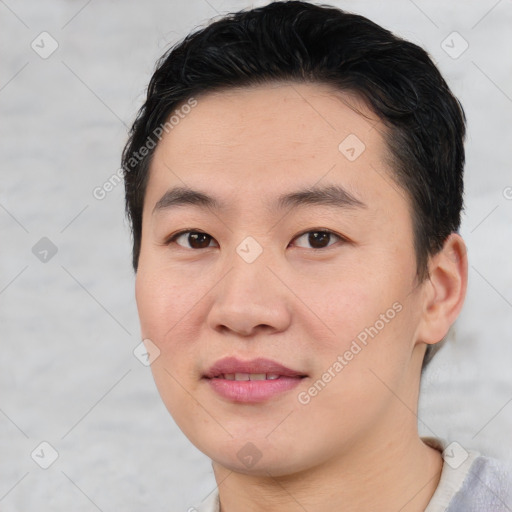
point(254, 141)
point(246, 118)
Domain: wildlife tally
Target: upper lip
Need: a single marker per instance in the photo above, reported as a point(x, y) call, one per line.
point(229, 365)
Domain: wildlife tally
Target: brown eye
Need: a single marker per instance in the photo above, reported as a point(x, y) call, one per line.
point(192, 239)
point(317, 239)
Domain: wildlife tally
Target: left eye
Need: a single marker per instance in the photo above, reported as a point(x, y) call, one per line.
point(317, 239)
point(194, 239)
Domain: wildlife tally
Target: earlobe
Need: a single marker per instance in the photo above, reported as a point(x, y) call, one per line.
point(445, 290)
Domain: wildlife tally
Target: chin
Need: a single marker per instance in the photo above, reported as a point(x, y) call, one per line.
point(258, 458)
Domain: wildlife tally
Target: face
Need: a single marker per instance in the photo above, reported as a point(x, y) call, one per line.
point(294, 259)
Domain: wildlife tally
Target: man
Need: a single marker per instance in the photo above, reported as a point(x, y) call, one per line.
point(294, 183)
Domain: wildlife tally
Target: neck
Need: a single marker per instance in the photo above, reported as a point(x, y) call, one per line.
point(390, 476)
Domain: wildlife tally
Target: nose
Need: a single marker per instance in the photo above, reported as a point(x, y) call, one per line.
point(250, 299)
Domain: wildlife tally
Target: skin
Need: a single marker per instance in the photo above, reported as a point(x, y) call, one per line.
point(299, 305)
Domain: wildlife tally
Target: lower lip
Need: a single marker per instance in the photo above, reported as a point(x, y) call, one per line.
point(253, 391)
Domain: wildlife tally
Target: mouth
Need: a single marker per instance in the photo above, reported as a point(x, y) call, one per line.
point(248, 376)
point(252, 381)
point(232, 368)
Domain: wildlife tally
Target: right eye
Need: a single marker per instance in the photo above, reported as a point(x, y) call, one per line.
point(194, 239)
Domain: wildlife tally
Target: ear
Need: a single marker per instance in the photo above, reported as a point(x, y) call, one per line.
point(444, 290)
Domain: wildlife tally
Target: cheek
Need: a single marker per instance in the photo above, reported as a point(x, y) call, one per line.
point(172, 307)
point(369, 311)
point(164, 298)
point(165, 304)
point(151, 303)
point(354, 298)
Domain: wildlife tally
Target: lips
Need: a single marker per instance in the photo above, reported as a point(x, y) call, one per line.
point(231, 368)
point(251, 382)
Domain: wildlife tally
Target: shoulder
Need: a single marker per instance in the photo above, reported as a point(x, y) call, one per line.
point(470, 482)
point(487, 486)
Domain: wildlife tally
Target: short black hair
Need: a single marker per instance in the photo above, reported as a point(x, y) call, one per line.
point(302, 42)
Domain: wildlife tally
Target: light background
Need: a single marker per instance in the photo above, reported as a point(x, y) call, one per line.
point(68, 326)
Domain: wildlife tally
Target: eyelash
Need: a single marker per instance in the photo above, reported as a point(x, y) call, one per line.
point(172, 239)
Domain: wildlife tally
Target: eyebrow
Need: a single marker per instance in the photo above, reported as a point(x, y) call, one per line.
point(329, 195)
